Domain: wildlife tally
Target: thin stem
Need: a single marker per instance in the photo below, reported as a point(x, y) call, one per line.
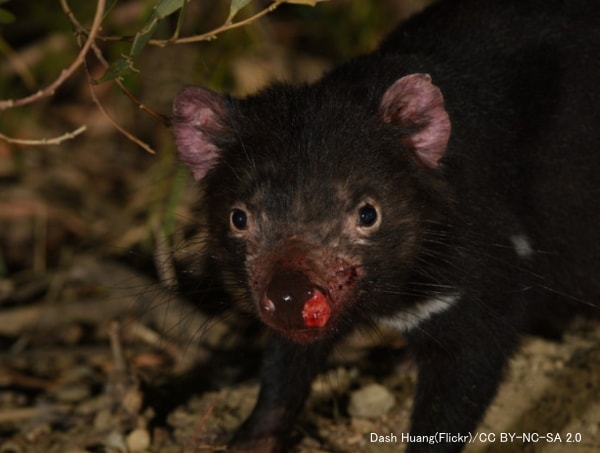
point(65, 73)
point(44, 141)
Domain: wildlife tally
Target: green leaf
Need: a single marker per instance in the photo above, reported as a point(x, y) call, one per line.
point(6, 17)
point(236, 6)
point(167, 7)
point(121, 67)
point(162, 10)
point(142, 37)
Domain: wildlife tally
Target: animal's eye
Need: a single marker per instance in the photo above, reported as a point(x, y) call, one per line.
point(239, 219)
point(367, 215)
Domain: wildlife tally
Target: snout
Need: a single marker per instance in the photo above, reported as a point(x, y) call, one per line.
point(302, 289)
point(293, 302)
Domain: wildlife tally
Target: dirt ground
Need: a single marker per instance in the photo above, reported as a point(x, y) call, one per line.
point(166, 378)
point(100, 350)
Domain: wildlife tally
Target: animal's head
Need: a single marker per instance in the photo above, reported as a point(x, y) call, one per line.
point(316, 200)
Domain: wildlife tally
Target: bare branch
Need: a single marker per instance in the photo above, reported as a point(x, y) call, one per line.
point(122, 130)
point(44, 141)
point(100, 56)
point(225, 27)
point(209, 36)
point(91, 35)
point(92, 84)
point(66, 73)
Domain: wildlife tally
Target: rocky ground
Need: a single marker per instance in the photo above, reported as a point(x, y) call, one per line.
point(125, 366)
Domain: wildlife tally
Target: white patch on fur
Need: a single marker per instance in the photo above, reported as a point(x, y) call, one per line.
point(407, 320)
point(522, 245)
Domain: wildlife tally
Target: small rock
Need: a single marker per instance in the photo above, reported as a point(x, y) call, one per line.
point(115, 442)
point(103, 420)
point(138, 440)
point(133, 400)
point(373, 400)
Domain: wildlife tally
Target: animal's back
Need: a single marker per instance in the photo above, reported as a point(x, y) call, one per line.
point(521, 84)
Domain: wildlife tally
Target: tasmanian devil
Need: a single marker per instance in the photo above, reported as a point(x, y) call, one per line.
point(447, 184)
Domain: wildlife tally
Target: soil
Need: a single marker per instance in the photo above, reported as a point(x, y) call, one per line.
point(127, 366)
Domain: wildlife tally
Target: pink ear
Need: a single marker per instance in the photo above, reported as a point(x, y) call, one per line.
point(198, 116)
point(414, 103)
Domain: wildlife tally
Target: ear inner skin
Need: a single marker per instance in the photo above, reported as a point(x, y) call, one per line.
point(414, 103)
point(198, 116)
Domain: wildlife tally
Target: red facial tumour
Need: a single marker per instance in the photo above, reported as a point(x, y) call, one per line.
point(316, 310)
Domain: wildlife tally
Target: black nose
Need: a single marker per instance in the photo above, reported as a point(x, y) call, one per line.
point(286, 298)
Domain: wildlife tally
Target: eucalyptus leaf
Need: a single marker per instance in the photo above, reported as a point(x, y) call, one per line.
point(162, 10)
point(120, 68)
point(168, 7)
point(236, 6)
point(142, 37)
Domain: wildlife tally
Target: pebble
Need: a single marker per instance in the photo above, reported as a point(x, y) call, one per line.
point(115, 443)
point(138, 440)
point(103, 420)
point(374, 400)
point(133, 400)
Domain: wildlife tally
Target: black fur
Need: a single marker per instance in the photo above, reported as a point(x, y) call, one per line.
point(504, 226)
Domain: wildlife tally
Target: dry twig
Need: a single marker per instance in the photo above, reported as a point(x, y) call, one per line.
point(66, 73)
point(208, 36)
point(44, 141)
point(90, 36)
point(51, 89)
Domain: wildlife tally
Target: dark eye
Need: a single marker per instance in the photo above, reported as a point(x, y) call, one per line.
point(367, 216)
point(239, 219)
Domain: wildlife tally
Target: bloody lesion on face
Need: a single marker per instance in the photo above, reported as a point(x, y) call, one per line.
point(300, 289)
